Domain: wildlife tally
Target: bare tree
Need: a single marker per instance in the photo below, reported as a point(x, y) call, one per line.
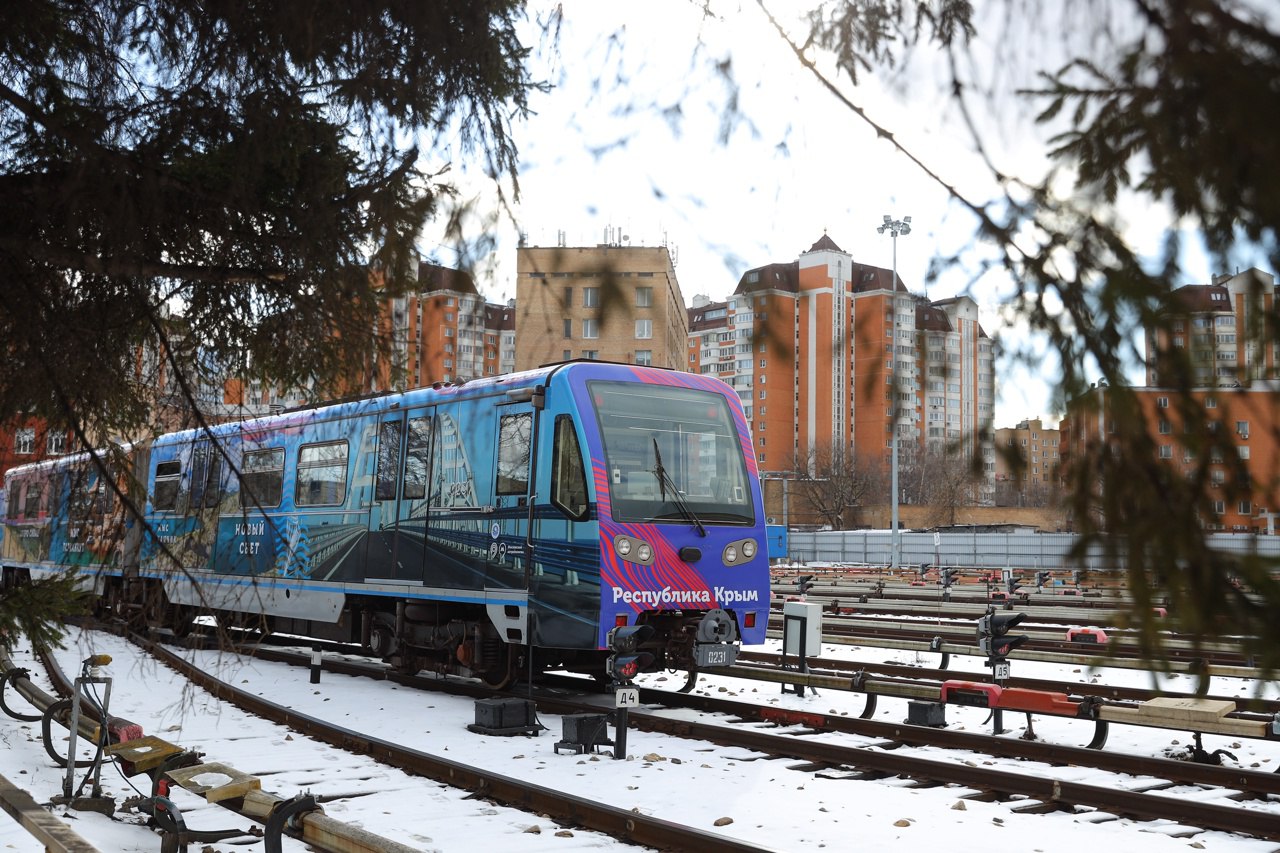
point(834, 480)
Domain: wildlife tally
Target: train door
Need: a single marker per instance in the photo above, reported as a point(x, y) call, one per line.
point(512, 494)
point(397, 517)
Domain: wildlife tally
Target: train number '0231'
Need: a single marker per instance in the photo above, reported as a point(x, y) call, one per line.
point(717, 656)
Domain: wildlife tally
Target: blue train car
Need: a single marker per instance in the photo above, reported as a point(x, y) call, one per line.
point(465, 528)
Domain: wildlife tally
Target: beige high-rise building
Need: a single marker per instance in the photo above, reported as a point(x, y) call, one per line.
point(1032, 482)
point(608, 302)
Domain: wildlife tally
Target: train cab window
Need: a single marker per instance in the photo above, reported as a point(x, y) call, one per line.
point(568, 476)
point(388, 460)
point(168, 479)
point(417, 459)
point(513, 454)
point(262, 478)
point(322, 474)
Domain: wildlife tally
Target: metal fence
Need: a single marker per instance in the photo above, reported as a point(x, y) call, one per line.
point(1023, 549)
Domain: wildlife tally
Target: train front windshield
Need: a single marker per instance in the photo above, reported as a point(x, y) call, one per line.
point(672, 455)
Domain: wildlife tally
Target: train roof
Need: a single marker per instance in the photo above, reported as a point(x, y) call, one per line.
point(373, 404)
point(60, 462)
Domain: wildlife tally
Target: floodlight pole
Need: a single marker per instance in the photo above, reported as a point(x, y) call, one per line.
point(895, 227)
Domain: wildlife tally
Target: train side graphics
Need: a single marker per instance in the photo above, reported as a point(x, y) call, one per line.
point(460, 528)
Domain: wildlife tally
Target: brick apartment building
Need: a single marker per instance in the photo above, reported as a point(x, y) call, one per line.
point(609, 302)
point(1235, 380)
point(812, 347)
point(1033, 482)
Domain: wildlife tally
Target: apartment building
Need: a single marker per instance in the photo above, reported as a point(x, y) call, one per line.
point(1218, 332)
point(1031, 482)
point(610, 302)
point(828, 352)
point(445, 331)
point(1248, 417)
point(1216, 327)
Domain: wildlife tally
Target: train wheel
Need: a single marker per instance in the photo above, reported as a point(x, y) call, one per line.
point(502, 671)
point(382, 641)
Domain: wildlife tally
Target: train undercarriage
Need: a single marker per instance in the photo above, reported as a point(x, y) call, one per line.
point(415, 635)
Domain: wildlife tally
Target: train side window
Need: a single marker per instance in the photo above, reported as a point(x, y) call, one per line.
point(262, 478)
point(417, 459)
point(213, 480)
point(206, 476)
point(31, 504)
point(388, 461)
point(513, 454)
point(168, 478)
point(14, 489)
point(568, 475)
point(322, 474)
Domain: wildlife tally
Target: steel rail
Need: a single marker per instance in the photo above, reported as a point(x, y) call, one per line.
point(621, 823)
point(1101, 691)
point(1052, 791)
point(314, 827)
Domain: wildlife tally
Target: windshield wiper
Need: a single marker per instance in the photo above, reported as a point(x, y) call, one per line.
point(664, 480)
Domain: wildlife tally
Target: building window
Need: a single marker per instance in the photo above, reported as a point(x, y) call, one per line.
point(1245, 508)
point(568, 327)
point(1166, 452)
point(568, 297)
point(1219, 507)
point(1243, 450)
point(1242, 429)
point(644, 297)
point(1165, 429)
point(590, 297)
point(644, 329)
point(592, 354)
point(1210, 403)
point(590, 328)
point(567, 355)
point(644, 356)
point(762, 394)
point(1162, 402)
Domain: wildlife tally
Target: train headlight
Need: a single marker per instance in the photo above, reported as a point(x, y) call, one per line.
point(731, 554)
point(633, 550)
point(748, 548)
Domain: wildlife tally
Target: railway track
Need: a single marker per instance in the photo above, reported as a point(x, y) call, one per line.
point(1186, 793)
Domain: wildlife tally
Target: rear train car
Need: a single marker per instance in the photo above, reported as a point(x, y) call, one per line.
point(477, 529)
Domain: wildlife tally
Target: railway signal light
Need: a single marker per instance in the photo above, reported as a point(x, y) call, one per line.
point(1042, 578)
point(627, 661)
point(993, 635)
point(1011, 584)
point(948, 577)
point(804, 583)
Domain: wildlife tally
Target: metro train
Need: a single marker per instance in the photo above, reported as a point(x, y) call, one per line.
point(481, 529)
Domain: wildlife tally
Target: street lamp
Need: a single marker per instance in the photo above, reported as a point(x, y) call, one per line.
point(895, 227)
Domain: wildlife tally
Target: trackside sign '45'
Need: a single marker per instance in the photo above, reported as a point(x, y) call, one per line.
point(668, 597)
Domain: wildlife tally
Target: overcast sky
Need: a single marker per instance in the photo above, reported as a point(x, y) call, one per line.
point(632, 137)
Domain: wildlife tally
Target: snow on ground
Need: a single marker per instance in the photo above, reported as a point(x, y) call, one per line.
point(693, 782)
